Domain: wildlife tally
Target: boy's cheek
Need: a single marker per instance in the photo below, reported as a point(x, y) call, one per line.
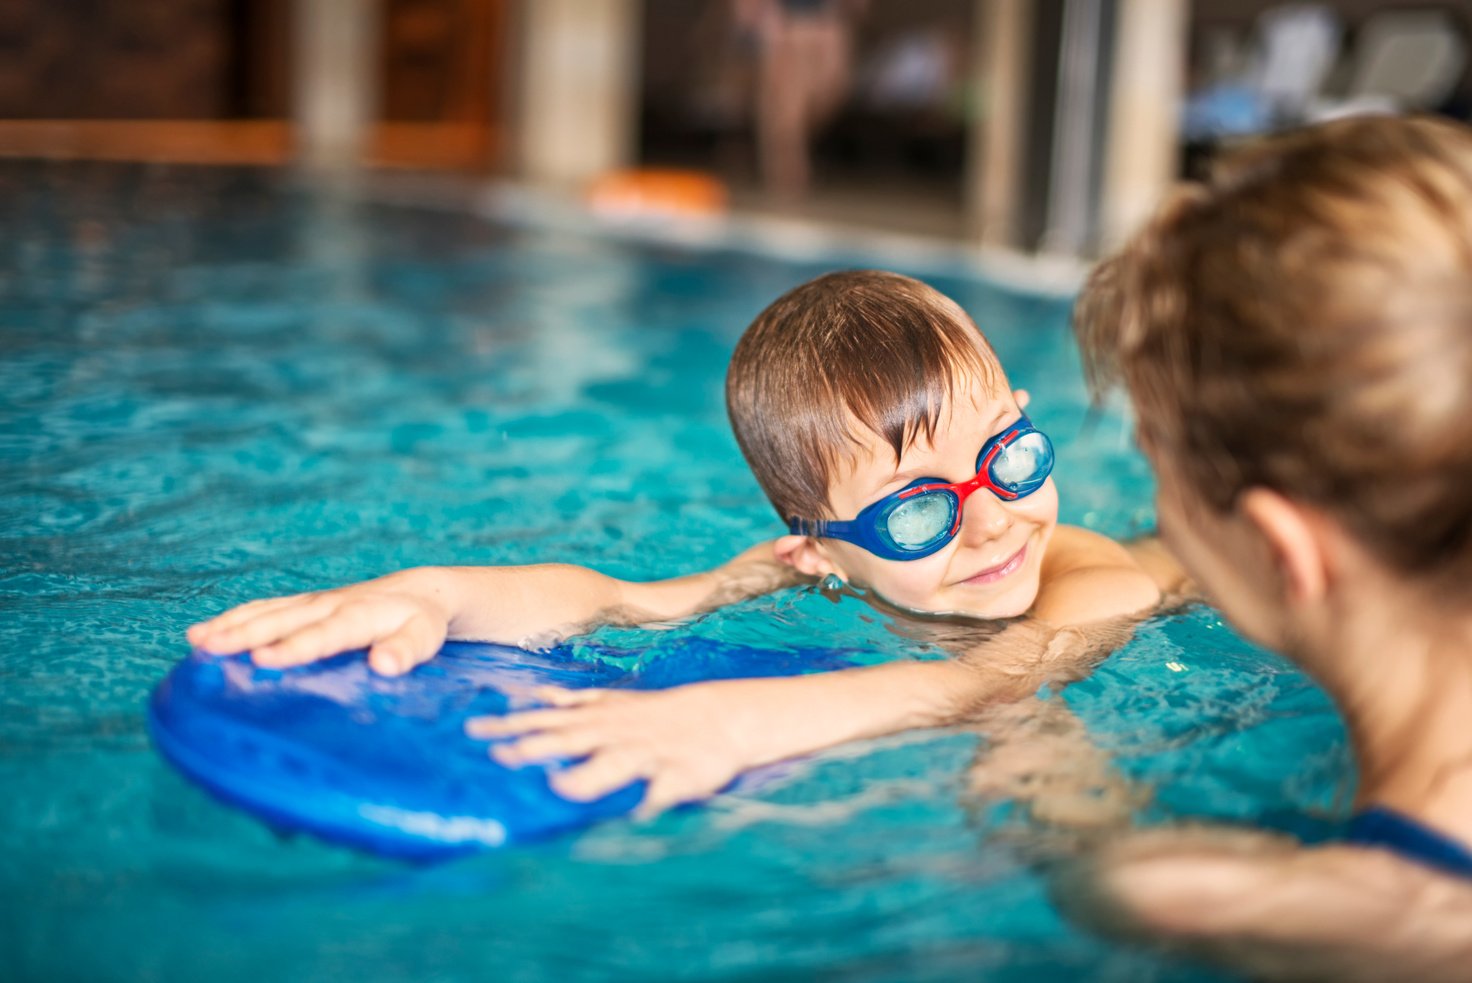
point(908, 582)
point(1050, 503)
point(1041, 507)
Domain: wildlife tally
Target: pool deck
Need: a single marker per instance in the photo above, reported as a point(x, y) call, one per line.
point(809, 231)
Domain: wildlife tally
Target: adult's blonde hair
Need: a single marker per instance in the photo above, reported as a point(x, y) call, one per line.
point(1302, 321)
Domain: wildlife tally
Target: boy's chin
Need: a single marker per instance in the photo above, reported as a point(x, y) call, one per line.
point(966, 602)
point(1012, 604)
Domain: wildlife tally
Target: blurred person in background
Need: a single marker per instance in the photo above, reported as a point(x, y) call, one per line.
point(804, 55)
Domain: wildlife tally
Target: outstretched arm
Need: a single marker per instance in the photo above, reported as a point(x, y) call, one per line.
point(691, 741)
point(405, 617)
point(1039, 756)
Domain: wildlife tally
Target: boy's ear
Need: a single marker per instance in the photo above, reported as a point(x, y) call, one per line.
point(1296, 541)
point(1023, 397)
point(803, 554)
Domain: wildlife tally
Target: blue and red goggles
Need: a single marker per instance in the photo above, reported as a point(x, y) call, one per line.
point(925, 515)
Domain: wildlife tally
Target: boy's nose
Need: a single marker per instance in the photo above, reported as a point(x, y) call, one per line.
point(983, 518)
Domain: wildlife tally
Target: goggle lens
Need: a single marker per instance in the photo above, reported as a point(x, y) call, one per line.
point(918, 522)
point(1024, 464)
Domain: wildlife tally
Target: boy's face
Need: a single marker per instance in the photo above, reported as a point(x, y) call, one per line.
point(992, 567)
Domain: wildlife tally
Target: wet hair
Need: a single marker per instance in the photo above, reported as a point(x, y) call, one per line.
point(1302, 321)
point(848, 350)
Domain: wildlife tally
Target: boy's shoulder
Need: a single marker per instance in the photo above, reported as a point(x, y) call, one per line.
point(1076, 548)
point(1088, 576)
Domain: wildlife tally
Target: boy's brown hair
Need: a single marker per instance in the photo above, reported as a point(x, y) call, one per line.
point(860, 348)
point(1302, 321)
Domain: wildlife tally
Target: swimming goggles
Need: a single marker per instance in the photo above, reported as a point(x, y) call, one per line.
point(925, 515)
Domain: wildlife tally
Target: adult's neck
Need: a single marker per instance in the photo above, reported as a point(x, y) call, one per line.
point(1400, 668)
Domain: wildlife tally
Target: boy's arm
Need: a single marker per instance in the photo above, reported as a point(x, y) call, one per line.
point(691, 741)
point(405, 617)
point(548, 602)
point(1039, 756)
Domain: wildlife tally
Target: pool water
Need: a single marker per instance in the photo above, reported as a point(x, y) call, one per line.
point(217, 385)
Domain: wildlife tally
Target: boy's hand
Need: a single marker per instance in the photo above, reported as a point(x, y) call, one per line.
point(674, 739)
point(398, 618)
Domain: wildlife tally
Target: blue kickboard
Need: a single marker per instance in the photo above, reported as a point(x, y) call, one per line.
point(384, 764)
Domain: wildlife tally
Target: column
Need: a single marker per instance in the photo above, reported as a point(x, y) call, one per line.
point(334, 79)
point(1146, 94)
point(997, 143)
point(579, 88)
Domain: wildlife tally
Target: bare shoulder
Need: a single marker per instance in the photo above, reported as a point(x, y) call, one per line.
point(1161, 564)
point(1074, 548)
point(1089, 577)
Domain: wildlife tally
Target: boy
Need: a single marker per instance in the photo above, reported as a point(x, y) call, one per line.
point(881, 426)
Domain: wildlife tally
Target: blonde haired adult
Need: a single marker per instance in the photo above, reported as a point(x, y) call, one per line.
point(1296, 337)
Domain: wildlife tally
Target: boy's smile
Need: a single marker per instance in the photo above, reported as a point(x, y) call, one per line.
point(993, 574)
point(991, 568)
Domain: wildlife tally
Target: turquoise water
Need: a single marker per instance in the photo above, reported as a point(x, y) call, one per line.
point(215, 387)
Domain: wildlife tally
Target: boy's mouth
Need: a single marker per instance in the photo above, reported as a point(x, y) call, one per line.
point(1004, 569)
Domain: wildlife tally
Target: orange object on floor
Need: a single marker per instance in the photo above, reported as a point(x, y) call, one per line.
point(657, 191)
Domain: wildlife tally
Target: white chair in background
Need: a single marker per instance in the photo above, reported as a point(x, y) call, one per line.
point(1403, 61)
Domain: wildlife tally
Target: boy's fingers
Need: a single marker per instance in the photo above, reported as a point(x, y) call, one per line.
point(599, 775)
point(560, 697)
point(415, 641)
point(329, 636)
point(238, 615)
point(516, 723)
point(658, 797)
point(547, 746)
point(275, 625)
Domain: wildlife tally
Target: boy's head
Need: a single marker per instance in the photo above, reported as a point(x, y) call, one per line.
point(851, 386)
point(1302, 324)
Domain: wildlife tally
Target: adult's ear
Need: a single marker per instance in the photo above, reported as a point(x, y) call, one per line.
point(1296, 539)
point(805, 555)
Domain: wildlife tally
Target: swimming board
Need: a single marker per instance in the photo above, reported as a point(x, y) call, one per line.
point(384, 764)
